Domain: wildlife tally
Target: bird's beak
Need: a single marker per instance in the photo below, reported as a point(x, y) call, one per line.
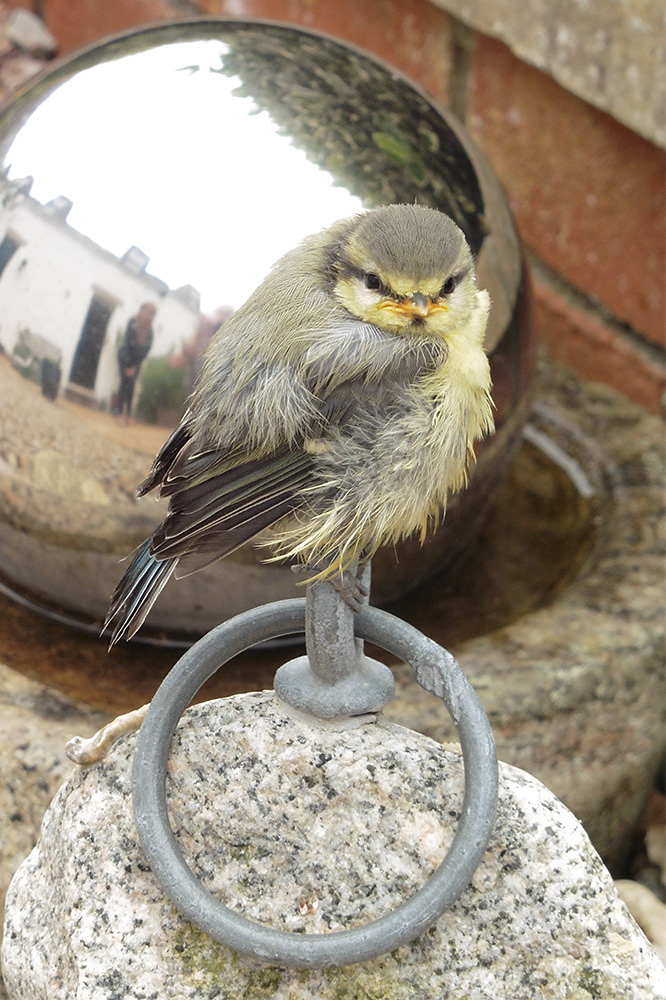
point(419, 306)
point(416, 307)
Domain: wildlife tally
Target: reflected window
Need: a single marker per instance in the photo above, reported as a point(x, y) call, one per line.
point(8, 248)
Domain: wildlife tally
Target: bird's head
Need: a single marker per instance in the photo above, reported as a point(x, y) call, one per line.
point(407, 269)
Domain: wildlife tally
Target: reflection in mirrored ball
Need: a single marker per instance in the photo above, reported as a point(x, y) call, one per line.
point(146, 188)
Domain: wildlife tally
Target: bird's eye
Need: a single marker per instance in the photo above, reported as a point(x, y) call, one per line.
point(372, 281)
point(450, 285)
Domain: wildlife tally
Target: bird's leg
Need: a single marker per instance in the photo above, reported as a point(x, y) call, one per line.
point(351, 584)
point(335, 679)
point(351, 589)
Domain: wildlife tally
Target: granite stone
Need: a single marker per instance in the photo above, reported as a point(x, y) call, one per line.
point(313, 829)
point(647, 910)
point(35, 722)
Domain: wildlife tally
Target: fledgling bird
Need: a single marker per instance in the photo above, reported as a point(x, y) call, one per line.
point(338, 407)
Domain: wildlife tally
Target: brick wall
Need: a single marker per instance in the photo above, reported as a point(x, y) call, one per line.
point(587, 191)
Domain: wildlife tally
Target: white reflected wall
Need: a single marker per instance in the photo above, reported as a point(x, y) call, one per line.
point(155, 151)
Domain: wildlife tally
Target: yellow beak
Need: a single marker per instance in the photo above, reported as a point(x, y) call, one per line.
point(415, 307)
point(419, 306)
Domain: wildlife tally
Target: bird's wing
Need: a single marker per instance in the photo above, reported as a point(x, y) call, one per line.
point(178, 441)
point(218, 502)
point(225, 511)
point(137, 591)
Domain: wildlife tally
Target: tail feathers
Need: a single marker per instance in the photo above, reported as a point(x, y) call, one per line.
point(144, 580)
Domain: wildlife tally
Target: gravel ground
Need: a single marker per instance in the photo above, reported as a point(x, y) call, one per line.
point(82, 456)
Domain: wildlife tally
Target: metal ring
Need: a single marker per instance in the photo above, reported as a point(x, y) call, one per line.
point(436, 670)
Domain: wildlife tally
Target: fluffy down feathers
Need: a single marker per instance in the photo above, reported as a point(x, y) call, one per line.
point(312, 419)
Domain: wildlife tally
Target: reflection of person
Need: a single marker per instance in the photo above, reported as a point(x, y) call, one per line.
point(133, 349)
point(191, 354)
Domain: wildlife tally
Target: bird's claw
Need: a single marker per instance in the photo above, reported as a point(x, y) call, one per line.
point(354, 593)
point(348, 585)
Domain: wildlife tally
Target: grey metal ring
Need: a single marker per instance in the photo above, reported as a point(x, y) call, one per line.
point(436, 670)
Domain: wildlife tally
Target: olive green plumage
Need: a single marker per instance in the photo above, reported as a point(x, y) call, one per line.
point(335, 410)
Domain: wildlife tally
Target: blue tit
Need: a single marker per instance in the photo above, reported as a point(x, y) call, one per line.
point(335, 411)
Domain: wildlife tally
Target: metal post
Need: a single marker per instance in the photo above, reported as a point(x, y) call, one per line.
point(335, 678)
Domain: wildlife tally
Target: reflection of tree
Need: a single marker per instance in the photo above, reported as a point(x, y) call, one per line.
point(162, 392)
point(374, 133)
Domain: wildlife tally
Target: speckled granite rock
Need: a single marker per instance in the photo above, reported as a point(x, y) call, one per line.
point(35, 724)
point(314, 830)
point(648, 912)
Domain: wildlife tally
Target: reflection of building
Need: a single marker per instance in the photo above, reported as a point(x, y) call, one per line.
point(69, 300)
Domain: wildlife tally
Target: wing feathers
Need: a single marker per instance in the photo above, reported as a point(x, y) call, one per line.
point(166, 456)
point(228, 540)
point(234, 483)
point(236, 504)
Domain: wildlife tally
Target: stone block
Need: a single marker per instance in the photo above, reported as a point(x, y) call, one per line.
point(609, 53)
point(313, 829)
point(35, 723)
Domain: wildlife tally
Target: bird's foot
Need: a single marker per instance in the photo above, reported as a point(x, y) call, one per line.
point(354, 593)
point(348, 584)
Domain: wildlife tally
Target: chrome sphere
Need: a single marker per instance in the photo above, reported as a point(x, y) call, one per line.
point(162, 173)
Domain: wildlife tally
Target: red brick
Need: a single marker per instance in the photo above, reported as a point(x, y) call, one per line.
point(588, 194)
point(597, 352)
point(81, 22)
